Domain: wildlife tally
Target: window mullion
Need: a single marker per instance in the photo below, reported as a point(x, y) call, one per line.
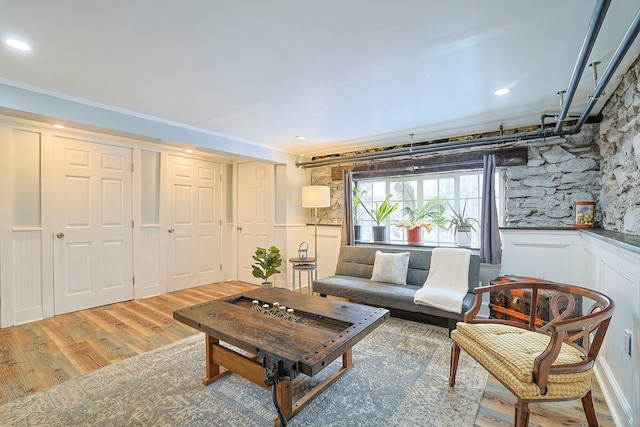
point(456, 192)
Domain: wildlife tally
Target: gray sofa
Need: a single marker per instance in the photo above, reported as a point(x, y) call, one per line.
point(352, 280)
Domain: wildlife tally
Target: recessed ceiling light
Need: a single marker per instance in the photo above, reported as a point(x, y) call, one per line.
point(18, 44)
point(188, 151)
point(300, 138)
point(58, 126)
point(502, 91)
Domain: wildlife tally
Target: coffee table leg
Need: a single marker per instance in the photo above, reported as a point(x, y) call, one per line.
point(347, 359)
point(285, 399)
point(300, 404)
point(213, 369)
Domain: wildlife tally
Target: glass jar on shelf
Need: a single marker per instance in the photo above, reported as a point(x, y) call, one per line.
point(584, 214)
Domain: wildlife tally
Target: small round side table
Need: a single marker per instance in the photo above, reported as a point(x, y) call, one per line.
point(310, 265)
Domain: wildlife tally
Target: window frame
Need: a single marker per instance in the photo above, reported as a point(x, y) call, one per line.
point(420, 180)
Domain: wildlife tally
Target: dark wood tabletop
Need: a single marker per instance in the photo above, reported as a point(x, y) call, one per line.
point(325, 329)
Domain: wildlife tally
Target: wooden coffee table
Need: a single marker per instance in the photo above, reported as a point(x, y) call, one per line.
point(325, 330)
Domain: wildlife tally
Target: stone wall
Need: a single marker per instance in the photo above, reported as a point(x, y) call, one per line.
point(334, 214)
point(560, 171)
point(619, 142)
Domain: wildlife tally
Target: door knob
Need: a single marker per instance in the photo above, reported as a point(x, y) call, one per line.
point(171, 230)
point(60, 235)
point(239, 228)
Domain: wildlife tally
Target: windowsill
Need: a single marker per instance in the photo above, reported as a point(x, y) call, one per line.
point(410, 245)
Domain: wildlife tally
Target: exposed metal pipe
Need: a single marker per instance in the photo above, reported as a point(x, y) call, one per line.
point(622, 50)
point(436, 147)
point(597, 18)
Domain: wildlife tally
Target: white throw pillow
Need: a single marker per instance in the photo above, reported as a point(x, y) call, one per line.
point(391, 267)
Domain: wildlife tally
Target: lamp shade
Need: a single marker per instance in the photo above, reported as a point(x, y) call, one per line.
point(316, 196)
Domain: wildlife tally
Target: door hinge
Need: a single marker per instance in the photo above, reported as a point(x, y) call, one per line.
point(132, 167)
point(134, 280)
point(220, 223)
point(132, 223)
point(220, 267)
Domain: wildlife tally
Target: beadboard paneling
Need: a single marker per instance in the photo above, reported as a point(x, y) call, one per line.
point(27, 275)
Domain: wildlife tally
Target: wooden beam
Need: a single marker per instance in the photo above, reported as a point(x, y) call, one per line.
point(337, 172)
point(440, 163)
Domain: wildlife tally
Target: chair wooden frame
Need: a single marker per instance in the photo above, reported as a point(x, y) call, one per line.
point(576, 331)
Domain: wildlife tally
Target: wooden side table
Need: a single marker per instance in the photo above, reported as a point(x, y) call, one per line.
point(310, 265)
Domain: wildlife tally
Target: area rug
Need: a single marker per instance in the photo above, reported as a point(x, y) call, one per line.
point(399, 378)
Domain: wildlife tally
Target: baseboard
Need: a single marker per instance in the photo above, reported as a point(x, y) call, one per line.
point(621, 411)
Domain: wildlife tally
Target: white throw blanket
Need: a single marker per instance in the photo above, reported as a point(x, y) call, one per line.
point(448, 280)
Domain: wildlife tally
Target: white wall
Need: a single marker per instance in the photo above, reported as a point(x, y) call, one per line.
point(578, 258)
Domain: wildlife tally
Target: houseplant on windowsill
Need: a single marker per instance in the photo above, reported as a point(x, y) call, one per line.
point(267, 263)
point(379, 213)
point(357, 212)
point(425, 217)
point(462, 224)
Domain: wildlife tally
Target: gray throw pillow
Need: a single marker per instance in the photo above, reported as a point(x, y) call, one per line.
point(391, 267)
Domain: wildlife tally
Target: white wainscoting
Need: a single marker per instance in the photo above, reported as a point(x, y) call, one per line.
point(27, 276)
point(576, 257)
point(329, 239)
point(151, 269)
point(616, 272)
point(31, 296)
point(547, 254)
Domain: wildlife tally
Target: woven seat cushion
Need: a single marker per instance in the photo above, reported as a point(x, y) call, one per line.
point(509, 354)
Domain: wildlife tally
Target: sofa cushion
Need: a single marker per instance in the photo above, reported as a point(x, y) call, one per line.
point(391, 267)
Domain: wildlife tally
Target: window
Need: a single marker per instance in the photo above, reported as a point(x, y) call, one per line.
point(461, 190)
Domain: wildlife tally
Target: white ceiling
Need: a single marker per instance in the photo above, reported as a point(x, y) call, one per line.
point(345, 74)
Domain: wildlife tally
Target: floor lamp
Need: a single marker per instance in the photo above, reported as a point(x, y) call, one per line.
point(316, 196)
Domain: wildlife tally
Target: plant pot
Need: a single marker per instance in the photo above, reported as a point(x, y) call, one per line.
point(414, 235)
point(267, 285)
point(356, 232)
point(463, 237)
point(379, 233)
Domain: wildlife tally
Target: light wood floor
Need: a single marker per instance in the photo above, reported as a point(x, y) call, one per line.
point(39, 354)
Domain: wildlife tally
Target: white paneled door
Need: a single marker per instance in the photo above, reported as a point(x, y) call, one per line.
point(255, 214)
point(92, 224)
point(194, 229)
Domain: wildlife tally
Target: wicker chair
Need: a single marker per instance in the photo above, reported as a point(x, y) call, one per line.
point(551, 362)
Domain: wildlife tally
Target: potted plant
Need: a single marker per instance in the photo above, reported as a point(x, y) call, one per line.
point(425, 217)
point(379, 213)
point(267, 263)
point(462, 224)
point(357, 211)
